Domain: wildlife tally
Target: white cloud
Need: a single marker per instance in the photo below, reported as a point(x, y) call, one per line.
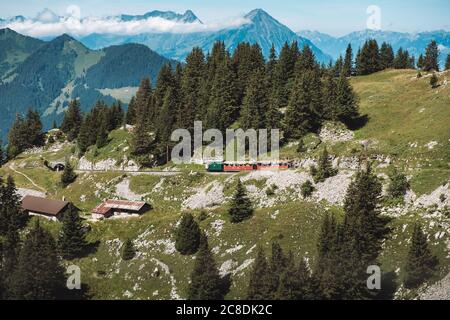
point(48, 24)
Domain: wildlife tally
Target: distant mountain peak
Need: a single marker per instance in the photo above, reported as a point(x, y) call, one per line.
point(187, 17)
point(47, 16)
point(258, 14)
point(63, 38)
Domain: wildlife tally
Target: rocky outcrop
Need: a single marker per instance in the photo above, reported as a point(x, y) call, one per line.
point(108, 165)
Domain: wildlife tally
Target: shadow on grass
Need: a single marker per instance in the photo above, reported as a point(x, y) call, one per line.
point(91, 248)
point(358, 122)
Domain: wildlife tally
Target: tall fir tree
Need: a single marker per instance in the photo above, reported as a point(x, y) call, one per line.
point(17, 137)
point(296, 282)
point(72, 120)
point(347, 68)
point(128, 251)
point(259, 286)
point(329, 97)
point(38, 275)
point(206, 283)
point(191, 86)
point(421, 264)
point(68, 176)
point(72, 238)
point(346, 103)
point(34, 129)
point(368, 59)
point(187, 235)
point(325, 168)
point(12, 217)
point(130, 117)
point(431, 60)
point(304, 109)
point(241, 207)
point(386, 56)
point(223, 101)
point(84, 136)
point(255, 102)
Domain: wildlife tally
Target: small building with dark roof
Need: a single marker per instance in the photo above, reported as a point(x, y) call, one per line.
point(48, 208)
point(121, 208)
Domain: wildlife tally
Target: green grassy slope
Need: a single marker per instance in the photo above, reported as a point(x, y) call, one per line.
point(401, 111)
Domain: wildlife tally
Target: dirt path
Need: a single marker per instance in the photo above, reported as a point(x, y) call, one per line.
point(11, 166)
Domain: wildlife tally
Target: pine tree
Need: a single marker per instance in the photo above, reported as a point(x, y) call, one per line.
point(347, 68)
point(17, 137)
point(398, 184)
point(131, 112)
point(295, 282)
point(403, 60)
point(329, 97)
point(421, 263)
point(38, 275)
point(167, 119)
point(386, 56)
point(187, 235)
point(306, 60)
point(84, 136)
point(128, 252)
point(222, 98)
point(431, 60)
point(34, 129)
point(272, 63)
point(143, 141)
point(68, 176)
point(206, 283)
point(102, 135)
point(277, 266)
point(255, 102)
point(191, 86)
point(246, 59)
point(9, 254)
point(447, 62)
point(72, 120)
point(346, 105)
point(326, 271)
point(325, 168)
point(241, 206)
point(12, 218)
point(259, 286)
point(72, 238)
point(368, 59)
point(338, 67)
point(284, 74)
point(307, 189)
point(304, 109)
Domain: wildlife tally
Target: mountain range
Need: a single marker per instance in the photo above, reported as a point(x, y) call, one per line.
point(47, 75)
point(415, 43)
point(259, 27)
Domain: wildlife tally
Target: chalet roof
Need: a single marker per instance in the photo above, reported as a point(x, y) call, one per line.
point(106, 206)
point(43, 205)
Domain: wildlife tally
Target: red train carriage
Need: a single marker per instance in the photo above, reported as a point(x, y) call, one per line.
point(245, 166)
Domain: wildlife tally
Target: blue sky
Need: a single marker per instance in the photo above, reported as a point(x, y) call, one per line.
point(333, 17)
